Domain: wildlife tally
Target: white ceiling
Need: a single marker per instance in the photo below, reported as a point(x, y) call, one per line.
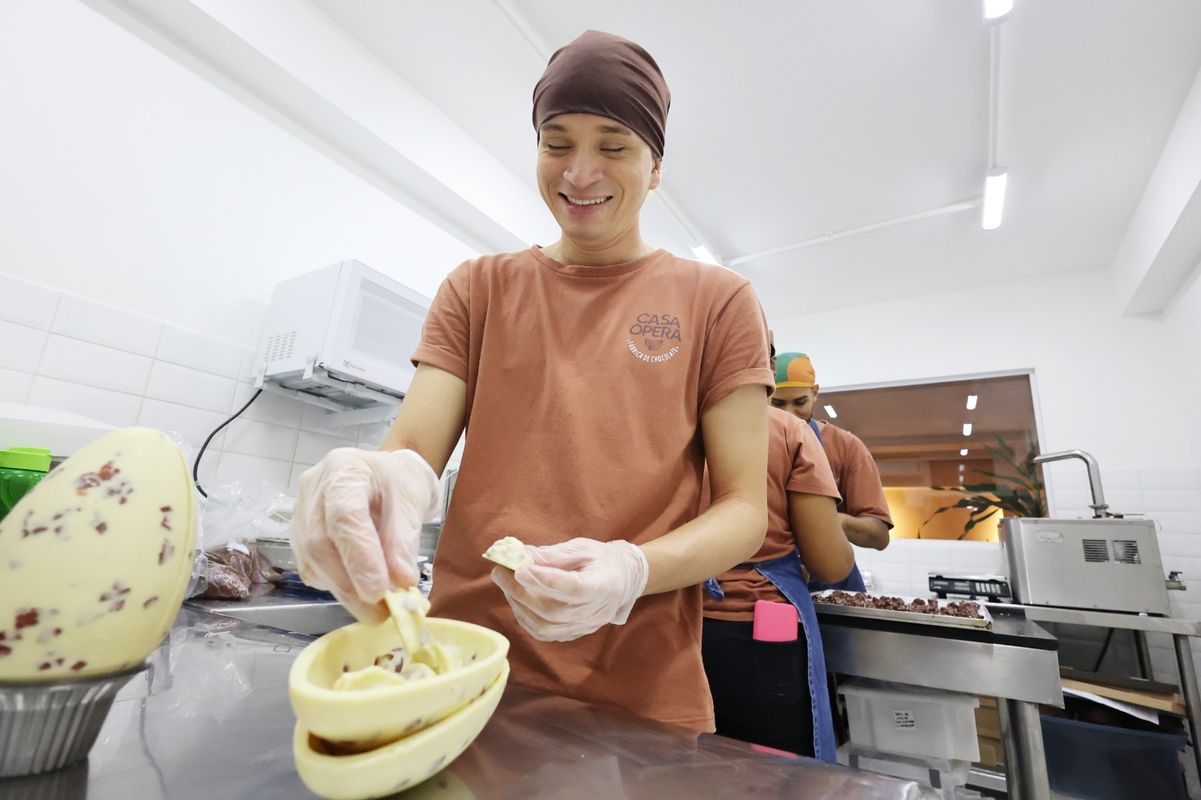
point(791, 120)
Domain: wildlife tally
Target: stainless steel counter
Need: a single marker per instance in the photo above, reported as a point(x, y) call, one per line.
point(1016, 661)
point(1179, 629)
point(279, 608)
point(210, 720)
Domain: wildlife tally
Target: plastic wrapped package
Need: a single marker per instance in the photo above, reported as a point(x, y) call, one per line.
point(233, 516)
point(229, 571)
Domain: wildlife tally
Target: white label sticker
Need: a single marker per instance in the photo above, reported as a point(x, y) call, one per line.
point(903, 720)
point(1049, 537)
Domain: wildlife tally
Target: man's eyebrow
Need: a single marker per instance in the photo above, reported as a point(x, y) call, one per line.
point(554, 126)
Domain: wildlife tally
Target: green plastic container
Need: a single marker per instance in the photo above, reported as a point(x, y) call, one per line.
point(20, 469)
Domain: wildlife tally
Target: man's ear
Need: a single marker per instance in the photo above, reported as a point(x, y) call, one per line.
point(656, 174)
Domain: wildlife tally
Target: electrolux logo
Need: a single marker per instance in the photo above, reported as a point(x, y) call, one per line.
point(350, 365)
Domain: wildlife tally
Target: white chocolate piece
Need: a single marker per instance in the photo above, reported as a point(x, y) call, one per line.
point(508, 552)
point(441, 658)
point(368, 678)
point(95, 559)
point(417, 672)
point(408, 608)
point(417, 658)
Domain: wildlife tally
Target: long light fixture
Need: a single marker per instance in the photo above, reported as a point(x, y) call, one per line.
point(701, 253)
point(831, 412)
point(994, 199)
point(995, 9)
point(971, 402)
point(995, 13)
point(963, 452)
point(967, 429)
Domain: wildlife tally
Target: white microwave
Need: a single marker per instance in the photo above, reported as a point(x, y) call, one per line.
point(341, 337)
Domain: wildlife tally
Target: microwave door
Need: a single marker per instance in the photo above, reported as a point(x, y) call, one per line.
point(378, 332)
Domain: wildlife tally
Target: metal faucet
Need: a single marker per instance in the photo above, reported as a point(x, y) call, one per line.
point(1099, 507)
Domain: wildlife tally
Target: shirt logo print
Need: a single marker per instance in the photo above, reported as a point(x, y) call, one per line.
point(654, 338)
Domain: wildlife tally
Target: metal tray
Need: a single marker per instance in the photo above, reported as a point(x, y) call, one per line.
point(912, 617)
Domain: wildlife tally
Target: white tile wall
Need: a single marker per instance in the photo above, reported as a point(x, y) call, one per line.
point(22, 347)
point(115, 408)
point(105, 325)
point(94, 365)
point(273, 408)
point(1172, 500)
point(70, 353)
point(190, 387)
point(204, 353)
point(294, 480)
point(1186, 478)
point(310, 447)
point(192, 424)
point(317, 420)
point(14, 386)
point(236, 466)
point(253, 438)
point(27, 303)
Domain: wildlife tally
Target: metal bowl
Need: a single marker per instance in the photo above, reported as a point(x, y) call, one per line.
point(48, 725)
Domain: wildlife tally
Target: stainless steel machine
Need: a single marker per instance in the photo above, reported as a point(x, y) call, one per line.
point(1106, 563)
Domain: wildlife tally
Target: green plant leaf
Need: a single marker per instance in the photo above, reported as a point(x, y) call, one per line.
point(971, 523)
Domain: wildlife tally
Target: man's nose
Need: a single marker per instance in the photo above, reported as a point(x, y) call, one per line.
point(583, 169)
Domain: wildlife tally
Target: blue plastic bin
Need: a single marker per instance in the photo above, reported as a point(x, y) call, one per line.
point(1102, 762)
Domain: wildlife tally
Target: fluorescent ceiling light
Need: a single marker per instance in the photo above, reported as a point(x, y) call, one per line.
point(971, 402)
point(994, 199)
point(831, 412)
point(961, 468)
point(963, 452)
point(995, 9)
point(701, 253)
point(967, 429)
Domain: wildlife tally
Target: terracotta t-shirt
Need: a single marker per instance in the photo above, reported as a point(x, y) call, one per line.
point(585, 389)
point(795, 463)
point(856, 473)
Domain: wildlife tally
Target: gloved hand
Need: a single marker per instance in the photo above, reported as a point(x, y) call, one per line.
point(574, 588)
point(356, 527)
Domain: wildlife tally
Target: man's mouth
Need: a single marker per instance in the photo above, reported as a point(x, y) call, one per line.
point(585, 201)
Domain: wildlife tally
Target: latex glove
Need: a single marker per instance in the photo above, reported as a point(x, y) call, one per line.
point(356, 527)
point(574, 588)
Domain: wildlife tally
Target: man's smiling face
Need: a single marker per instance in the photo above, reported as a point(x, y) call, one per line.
point(594, 174)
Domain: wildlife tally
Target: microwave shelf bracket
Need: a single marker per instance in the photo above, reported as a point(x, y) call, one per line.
point(345, 402)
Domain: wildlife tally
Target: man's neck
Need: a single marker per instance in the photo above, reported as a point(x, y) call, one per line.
point(565, 251)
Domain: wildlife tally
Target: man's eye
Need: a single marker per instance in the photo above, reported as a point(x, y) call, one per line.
point(557, 148)
point(613, 149)
point(778, 403)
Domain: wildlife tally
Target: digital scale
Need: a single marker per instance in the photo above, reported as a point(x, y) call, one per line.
point(990, 588)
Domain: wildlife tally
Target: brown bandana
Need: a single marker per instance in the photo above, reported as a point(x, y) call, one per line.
point(603, 74)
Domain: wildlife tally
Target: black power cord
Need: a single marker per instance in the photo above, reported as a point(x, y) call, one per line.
point(196, 465)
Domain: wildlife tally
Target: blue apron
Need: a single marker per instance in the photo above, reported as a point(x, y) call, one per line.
point(854, 581)
point(785, 574)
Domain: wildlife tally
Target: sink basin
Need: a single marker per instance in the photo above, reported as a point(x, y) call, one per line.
point(279, 610)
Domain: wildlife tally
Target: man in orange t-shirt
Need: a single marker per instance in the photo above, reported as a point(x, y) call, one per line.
point(761, 689)
point(864, 509)
point(594, 377)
